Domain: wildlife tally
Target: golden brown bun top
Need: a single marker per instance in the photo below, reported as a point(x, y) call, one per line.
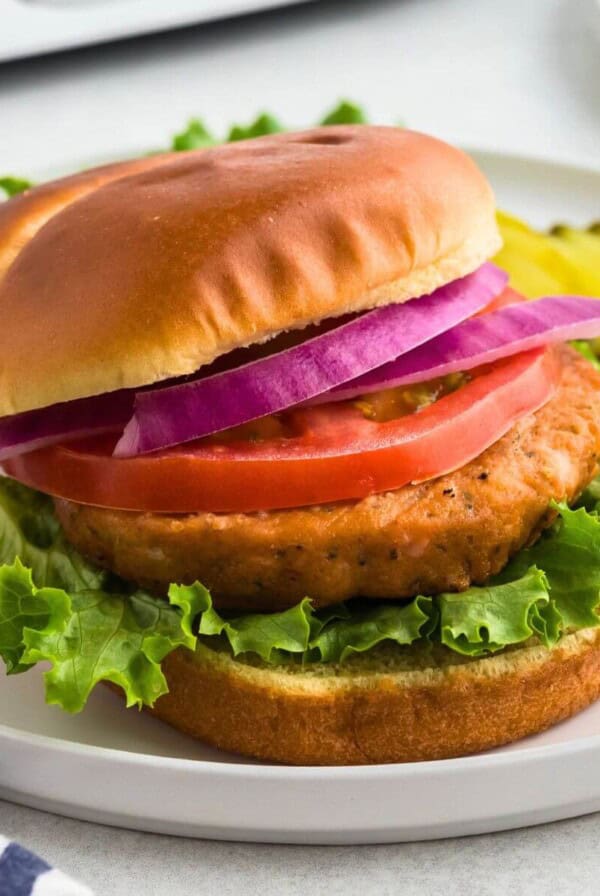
point(141, 271)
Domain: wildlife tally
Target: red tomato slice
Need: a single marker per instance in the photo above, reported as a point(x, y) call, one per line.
point(329, 453)
point(507, 297)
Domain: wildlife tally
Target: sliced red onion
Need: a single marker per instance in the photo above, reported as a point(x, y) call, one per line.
point(481, 340)
point(192, 410)
point(67, 420)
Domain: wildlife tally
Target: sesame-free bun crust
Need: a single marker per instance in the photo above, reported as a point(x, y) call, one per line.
point(139, 272)
point(391, 706)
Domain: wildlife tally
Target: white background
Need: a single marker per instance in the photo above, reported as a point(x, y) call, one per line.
point(518, 75)
point(510, 74)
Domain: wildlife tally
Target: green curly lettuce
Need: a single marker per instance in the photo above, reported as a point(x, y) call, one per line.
point(329, 636)
point(569, 556)
point(345, 112)
point(363, 628)
point(264, 124)
point(268, 635)
point(484, 620)
point(91, 627)
point(11, 186)
point(197, 136)
point(121, 638)
point(30, 531)
point(26, 609)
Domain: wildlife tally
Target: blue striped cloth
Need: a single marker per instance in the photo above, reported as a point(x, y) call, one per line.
point(22, 873)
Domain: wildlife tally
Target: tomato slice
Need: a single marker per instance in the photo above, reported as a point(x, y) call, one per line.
point(507, 297)
point(327, 453)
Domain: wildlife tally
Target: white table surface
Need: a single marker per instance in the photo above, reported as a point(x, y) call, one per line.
point(519, 75)
point(552, 860)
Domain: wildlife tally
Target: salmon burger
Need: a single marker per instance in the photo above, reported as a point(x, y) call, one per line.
point(287, 459)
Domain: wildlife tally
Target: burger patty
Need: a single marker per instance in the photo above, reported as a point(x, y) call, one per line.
point(442, 535)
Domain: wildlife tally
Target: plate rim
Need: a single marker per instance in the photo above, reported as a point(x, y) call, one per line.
point(581, 164)
point(479, 761)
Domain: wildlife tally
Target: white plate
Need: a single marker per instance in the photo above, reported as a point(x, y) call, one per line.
point(119, 767)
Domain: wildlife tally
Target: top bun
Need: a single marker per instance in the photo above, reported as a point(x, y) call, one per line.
point(146, 270)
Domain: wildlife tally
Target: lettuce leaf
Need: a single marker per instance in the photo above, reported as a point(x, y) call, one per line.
point(365, 628)
point(263, 125)
point(345, 113)
point(569, 555)
point(107, 637)
point(13, 185)
point(57, 608)
point(484, 620)
point(25, 608)
point(328, 636)
point(195, 136)
point(30, 531)
point(268, 635)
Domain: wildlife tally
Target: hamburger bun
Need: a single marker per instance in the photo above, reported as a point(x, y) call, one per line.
point(388, 705)
point(136, 273)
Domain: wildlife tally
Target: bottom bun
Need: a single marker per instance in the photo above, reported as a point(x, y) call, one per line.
point(389, 705)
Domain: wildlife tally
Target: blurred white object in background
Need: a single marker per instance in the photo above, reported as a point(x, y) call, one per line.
point(32, 27)
point(595, 16)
